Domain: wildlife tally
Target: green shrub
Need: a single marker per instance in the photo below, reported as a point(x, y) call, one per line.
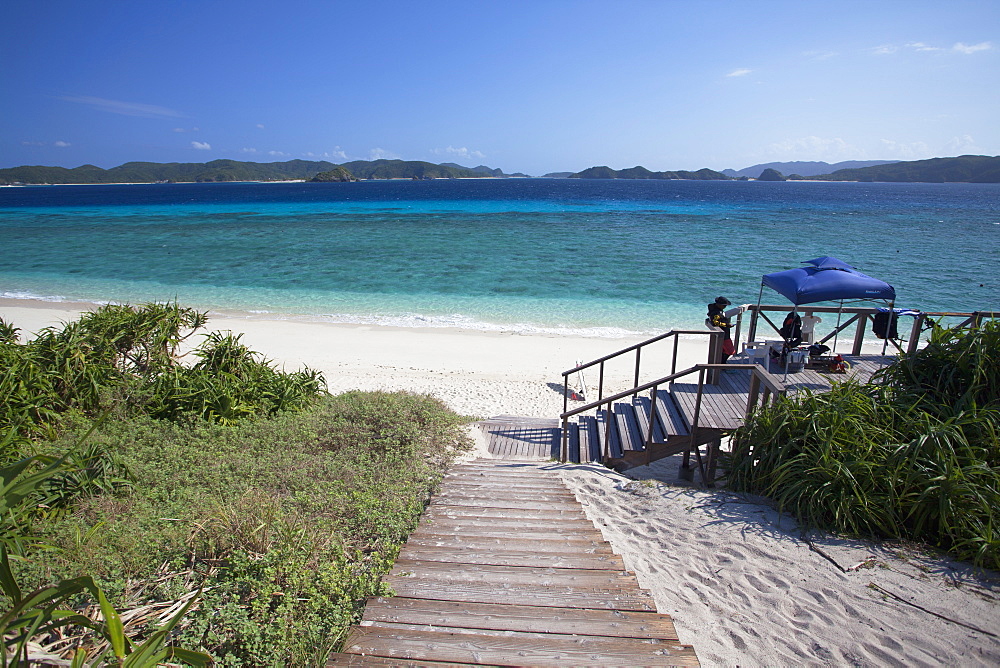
point(914, 455)
point(286, 521)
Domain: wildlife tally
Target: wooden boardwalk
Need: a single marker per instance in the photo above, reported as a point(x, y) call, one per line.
point(724, 404)
point(506, 569)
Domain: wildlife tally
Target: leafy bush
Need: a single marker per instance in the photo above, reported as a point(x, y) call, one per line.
point(287, 522)
point(915, 454)
point(126, 358)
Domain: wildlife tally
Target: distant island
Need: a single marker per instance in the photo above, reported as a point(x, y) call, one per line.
point(643, 173)
point(234, 170)
point(960, 169)
point(803, 168)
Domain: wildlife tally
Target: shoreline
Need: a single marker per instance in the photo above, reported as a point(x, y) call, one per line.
point(476, 373)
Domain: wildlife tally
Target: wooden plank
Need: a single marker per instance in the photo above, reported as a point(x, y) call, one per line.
point(612, 623)
point(522, 593)
point(445, 510)
point(526, 533)
point(669, 415)
point(480, 543)
point(561, 558)
point(474, 523)
point(590, 577)
point(526, 504)
point(529, 532)
point(501, 491)
point(340, 659)
point(513, 648)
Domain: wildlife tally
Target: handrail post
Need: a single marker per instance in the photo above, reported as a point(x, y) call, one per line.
point(752, 331)
point(607, 432)
point(673, 362)
point(918, 326)
point(637, 357)
point(752, 393)
point(652, 418)
point(859, 334)
point(564, 454)
point(600, 384)
point(696, 423)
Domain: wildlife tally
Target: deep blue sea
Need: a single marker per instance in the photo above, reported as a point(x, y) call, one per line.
point(595, 257)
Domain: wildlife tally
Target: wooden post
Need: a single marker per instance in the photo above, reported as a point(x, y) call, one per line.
point(565, 441)
point(859, 334)
point(918, 326)
point(752, 332)
point(638, 352)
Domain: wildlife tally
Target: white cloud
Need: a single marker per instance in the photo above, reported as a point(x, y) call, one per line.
point(462, 153)
point(61, 144)
point(815, 148)
point(201, 145)
point(123, 108)
point(58, 143)
point(260, 126)
point(185, 129)
point(742, 72)
point(820, 55)
point(248, 150)
point(964, 145)
point(278, 154)
point(959, 47)
point(32, 143)
point(917, 150)
point(972, 48)
point(382, 154)
point(335, 154)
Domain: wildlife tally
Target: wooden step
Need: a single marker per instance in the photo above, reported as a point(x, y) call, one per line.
point(513, 648)
point(521, 618)
point(628, 428)
point(537, 556)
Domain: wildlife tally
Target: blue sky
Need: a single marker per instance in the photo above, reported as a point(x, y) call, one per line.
point(539, 86)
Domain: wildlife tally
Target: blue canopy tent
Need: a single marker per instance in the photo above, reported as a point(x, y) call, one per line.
point(826, 279)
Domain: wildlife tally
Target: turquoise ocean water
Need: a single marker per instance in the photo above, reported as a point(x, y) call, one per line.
point(603, 258)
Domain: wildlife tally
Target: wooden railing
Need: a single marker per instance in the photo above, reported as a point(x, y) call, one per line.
point(859, 317)
point(714, 355)
point(763, 388)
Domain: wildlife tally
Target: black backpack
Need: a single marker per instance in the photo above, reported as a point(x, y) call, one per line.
point(791, 329)
point(884, 325)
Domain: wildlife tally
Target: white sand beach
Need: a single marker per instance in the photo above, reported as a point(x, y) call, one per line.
point(744, 585)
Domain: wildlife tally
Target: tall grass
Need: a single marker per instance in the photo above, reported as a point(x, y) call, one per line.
point(915, 454)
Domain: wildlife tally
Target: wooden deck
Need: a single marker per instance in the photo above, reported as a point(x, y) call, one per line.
point(724, 405)
point(506, 569)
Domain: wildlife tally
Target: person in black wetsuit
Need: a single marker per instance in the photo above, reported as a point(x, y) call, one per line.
point(717, 318)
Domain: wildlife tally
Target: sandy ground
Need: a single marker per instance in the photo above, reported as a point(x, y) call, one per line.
point(744, 584)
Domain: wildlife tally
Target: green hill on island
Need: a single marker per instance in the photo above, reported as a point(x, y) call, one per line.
point(643, 173)
point(961, 169)
point(234, 170)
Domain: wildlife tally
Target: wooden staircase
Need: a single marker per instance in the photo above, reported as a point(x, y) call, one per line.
point(628, 441)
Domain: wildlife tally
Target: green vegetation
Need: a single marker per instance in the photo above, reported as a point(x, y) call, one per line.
point(153, 172)
point(643, 173)
point(219, 506)
point(914, 455)
point(335, 175)
point(233, 170)
point(413, 169)
point(771, 175)
point(962, 169)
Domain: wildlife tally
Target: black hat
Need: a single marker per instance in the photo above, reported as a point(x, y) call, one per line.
point(722, 300)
